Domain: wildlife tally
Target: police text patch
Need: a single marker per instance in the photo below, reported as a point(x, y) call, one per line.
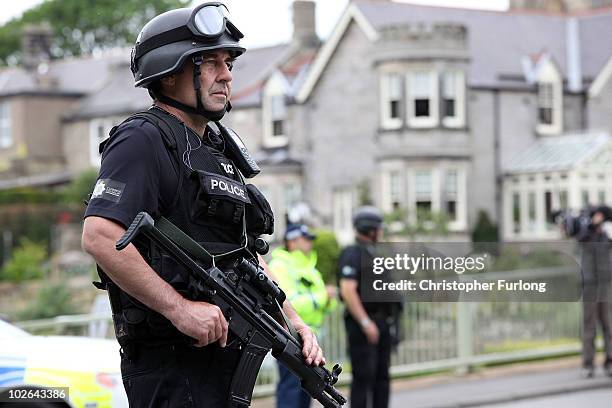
point(108, 189)
point(216, 185)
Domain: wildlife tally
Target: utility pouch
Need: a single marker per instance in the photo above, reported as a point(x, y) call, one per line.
point(120, 324)
point(259, 215)
point(219, 201)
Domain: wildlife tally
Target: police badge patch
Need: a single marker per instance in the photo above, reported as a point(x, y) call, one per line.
point(348, 271)
point(108, 189)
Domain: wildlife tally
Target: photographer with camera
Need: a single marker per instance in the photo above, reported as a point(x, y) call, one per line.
point(596, 267)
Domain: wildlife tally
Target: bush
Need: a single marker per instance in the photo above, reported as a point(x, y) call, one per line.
point(485, 230)
point(328, 252)
point(28, 195)
point(512, 258)
point(31, 213)
point(426, 223)
point(25, 262)
point(52, 300)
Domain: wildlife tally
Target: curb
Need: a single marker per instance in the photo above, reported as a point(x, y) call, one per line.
point(592, 384)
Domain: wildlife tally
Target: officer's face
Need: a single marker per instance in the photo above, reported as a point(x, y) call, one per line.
point(377, 234)
point(300, 244)
point(215, 81)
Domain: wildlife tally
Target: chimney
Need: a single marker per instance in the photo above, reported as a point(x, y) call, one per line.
point(304, 24)
point(36, 45)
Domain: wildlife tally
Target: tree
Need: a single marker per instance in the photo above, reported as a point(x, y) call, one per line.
point(81, 27)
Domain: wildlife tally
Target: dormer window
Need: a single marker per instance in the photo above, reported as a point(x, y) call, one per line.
point(545, 103)
point(549, 100)
point(391, 98)
point(275, 112)
point(422, 99)
point(278, 115)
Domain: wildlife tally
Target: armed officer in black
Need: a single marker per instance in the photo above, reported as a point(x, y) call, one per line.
point(367, 324)
point(167, 161)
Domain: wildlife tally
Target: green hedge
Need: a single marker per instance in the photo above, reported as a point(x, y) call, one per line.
point(29, 196)
point(26, 262)
point(32, 212)
point(328, 252)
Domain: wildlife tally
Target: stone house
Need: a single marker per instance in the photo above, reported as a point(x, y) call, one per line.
point(429, 109)
point(33, 99)
point(444, 102)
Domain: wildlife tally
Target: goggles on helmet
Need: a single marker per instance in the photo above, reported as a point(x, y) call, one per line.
point(208, 21)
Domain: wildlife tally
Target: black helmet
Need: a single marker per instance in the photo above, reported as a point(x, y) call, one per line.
point(367, 219)
point(165, 43)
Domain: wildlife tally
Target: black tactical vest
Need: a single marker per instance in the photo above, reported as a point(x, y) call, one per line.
point(209, 206)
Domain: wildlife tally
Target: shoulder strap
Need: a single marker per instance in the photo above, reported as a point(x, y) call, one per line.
point(169, 129)
point(158, 120)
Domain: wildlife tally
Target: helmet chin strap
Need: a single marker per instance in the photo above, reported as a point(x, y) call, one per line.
point(199, 109)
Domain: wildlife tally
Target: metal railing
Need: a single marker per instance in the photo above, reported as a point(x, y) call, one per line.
point(435, 336)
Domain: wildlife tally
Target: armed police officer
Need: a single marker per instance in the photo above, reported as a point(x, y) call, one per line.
point(169, 161)
point(368, 324)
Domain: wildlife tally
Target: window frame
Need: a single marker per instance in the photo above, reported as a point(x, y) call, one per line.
point(460, 197)
point(451, 196)
point(427, 196)
point(549, 76)
point(274, 88)
point(458, 119)
point(106, 124)
point(386, 121)
point(393, 180)
point(432, 119)
point(6, 125)
point(344, 202)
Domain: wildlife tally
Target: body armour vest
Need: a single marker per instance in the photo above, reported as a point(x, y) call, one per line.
point(209, 206)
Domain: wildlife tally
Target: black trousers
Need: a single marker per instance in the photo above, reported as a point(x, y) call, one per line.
point(595, 310)
point(370, 364)
point(178, 376)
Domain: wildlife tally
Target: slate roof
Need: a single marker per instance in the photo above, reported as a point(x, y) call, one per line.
point(253, 67)
point(555, 153)
point(499, 40)
point(251, 72)
point(74, 76)
point(117, 95)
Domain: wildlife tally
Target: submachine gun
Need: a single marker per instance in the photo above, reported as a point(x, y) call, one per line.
point(251, 304)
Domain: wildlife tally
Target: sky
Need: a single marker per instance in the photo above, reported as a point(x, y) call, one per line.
point(268, 22)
